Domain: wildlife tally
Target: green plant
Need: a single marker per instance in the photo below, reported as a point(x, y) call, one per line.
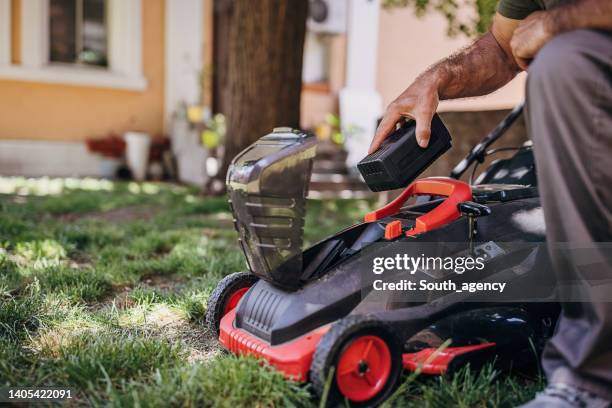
point(116, 356)
point(459, 21)
point(227, 382)
point(76, 285)
point(19, 317)
point(485, 387)
point(332, 130)
point(213, 135)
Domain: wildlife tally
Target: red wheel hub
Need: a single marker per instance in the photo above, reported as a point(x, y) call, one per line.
point(363, 368)
point(233, 300)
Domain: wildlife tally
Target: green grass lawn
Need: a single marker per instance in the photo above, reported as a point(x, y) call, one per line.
point(103, 288)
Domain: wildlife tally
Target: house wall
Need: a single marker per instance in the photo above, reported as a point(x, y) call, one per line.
point(319, 100)
point(39, 111)
point(15, 31)
point(407, 45)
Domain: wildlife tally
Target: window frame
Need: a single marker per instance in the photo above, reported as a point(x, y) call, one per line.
point(79, 44)
point(124, 69)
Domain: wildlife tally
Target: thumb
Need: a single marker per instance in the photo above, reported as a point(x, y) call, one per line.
point(423, 128)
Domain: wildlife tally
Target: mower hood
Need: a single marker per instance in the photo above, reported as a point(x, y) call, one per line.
point(267, 185)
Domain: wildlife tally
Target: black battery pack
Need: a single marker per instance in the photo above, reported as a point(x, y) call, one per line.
point(400, 159)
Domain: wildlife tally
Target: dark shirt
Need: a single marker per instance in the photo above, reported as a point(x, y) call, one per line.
point(519, 9)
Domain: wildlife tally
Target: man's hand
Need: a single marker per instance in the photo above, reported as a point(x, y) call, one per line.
point(479, 69)
point(539, 27)
point(418, 102)
point(529, 37)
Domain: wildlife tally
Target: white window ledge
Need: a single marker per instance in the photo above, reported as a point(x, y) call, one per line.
point(81, 76)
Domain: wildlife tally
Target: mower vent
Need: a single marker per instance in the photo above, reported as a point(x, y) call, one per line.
point(267, 185)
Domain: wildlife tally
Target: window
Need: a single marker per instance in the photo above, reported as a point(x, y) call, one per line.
point(80, 42)
point(78, 32)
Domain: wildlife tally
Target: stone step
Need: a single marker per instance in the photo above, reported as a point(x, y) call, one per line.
point(329, 166)
point(337, 186)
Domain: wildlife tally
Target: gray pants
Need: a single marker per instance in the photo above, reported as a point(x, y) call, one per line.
point(569, 118)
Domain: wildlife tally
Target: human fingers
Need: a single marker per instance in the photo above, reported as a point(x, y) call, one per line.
point(423, 119)
point(391, 117)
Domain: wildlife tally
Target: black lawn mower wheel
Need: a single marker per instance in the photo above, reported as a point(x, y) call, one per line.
point(226, 296)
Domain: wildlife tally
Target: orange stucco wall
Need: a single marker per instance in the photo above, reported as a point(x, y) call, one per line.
point(39, 111)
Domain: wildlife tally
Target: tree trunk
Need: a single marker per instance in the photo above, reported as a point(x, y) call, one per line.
point(258, 70)
point(222, 10)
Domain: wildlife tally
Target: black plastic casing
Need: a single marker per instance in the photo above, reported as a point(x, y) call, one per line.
point(400, 159)
point(267, 184)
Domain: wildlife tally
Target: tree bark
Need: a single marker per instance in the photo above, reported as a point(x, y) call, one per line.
point(258, 69)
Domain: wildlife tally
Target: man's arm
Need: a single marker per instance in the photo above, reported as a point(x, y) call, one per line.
point(479, 69)
point(581, 14)
point(538, 28)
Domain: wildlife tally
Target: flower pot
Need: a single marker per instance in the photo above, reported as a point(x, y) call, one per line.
point(137, 153)
point(109, 167)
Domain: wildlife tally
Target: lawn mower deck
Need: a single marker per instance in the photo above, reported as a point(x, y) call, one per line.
point(313, 313)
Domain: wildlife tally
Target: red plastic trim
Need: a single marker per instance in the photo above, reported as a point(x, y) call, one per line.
point(363, 368)
point(232, 302)
point(292, 359)
point(456, 192)
point(439, 364)
point(393, 230)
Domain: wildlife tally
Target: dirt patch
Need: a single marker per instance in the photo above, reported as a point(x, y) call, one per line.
point(119, 296)
point(202, 345)
point(115, 216)
point(171, 324)
point(163, 282)
point(161, 320)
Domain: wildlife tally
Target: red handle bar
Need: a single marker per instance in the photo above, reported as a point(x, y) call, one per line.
point(456, 192)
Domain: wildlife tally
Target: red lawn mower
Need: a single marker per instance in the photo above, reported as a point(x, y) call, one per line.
point(309, 313)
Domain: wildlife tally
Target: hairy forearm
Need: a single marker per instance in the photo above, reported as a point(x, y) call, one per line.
point(580, 14)
point(476, 70)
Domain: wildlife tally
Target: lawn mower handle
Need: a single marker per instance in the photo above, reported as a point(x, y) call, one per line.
point(478, 152)
point(456, 192)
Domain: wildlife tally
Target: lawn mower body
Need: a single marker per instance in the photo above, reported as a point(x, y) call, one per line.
point(297, 306)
